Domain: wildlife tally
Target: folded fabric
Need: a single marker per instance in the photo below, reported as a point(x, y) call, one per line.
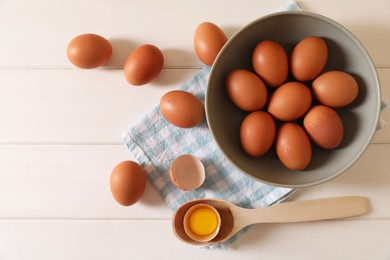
point(155, 144)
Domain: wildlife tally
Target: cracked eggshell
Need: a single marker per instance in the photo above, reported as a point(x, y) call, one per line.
point(187, 172)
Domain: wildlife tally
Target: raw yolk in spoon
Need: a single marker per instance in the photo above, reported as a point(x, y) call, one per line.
point(203, 221)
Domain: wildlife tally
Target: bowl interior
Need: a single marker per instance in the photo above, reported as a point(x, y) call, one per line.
point(345, 53)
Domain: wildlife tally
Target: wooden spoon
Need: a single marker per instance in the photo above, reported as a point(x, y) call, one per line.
point(234, 218)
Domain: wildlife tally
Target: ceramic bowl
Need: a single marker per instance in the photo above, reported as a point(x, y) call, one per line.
point(346, 53)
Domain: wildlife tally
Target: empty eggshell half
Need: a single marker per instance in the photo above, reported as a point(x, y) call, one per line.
point(187, 172)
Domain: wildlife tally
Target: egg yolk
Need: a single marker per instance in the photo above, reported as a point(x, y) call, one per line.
point(203, 221)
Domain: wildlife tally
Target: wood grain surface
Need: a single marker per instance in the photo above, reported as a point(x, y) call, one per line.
point(60, 133)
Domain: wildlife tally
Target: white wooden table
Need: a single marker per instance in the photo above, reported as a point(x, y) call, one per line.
point(60, 128)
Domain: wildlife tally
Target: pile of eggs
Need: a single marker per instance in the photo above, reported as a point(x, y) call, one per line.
point(290, 114)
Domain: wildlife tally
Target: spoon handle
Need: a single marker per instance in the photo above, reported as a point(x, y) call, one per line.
point(309, 210)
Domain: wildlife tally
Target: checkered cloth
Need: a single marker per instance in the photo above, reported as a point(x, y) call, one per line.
point(155, 144)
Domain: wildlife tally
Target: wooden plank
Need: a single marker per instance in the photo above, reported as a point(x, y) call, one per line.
point(73, 106)
point(48, 27)
point(126, 24)
point(155, 240)
point(72, 181)
point(58, 182)
point(338, 239)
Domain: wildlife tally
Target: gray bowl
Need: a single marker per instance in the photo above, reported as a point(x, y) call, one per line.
point(346, 53)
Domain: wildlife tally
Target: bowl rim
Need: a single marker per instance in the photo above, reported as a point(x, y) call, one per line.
point(366, 56)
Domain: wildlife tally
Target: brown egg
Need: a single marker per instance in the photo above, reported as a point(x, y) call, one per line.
point(293, 146)
point(308, 58)
point(324, 127)
point(182, 109)
point(89, 51)
point(335, 88)
point(143, 65)
point(127, 182)
point(270, 61)
point(246, 90)
point(208, 41)
point(257, 133)
point(290, 101)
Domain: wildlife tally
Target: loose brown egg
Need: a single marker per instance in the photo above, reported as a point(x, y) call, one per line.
point(89, 51)
point(324, 127)
point(182, 109)
point(208, 41)
point(335, 88)
point(257, 133)
point(127, 182)
point(270, 61)
point(308, 58)
point(246, 90)
point(143, 65)
point(290, 101)
point(293, 146)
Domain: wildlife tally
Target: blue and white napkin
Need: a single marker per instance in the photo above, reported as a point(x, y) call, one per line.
point(155, 144)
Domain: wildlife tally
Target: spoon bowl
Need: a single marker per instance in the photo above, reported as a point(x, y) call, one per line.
point(212, 229)
point(234, 218)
